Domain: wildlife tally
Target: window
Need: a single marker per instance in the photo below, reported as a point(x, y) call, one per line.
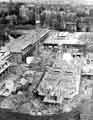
point(53, 97)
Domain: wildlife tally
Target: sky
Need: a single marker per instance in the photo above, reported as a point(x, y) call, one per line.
point(67, 1)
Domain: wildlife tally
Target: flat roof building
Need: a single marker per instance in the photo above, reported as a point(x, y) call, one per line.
point(24, 45)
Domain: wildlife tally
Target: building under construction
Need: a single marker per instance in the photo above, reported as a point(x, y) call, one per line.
point(53, 70)
point(45, 74)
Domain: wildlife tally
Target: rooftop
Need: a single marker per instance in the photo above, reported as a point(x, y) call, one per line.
point(66, 38)
point(28, 38)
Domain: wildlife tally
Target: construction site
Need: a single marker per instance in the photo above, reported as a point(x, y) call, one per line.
point(46, 61)
point(45, 72)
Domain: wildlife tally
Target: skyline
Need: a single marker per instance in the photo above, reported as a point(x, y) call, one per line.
point(87, 2)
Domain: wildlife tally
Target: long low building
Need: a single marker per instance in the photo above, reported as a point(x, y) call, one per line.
point(23, 46)
point(77, 40)
point(61, 38)
point(30, 38)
